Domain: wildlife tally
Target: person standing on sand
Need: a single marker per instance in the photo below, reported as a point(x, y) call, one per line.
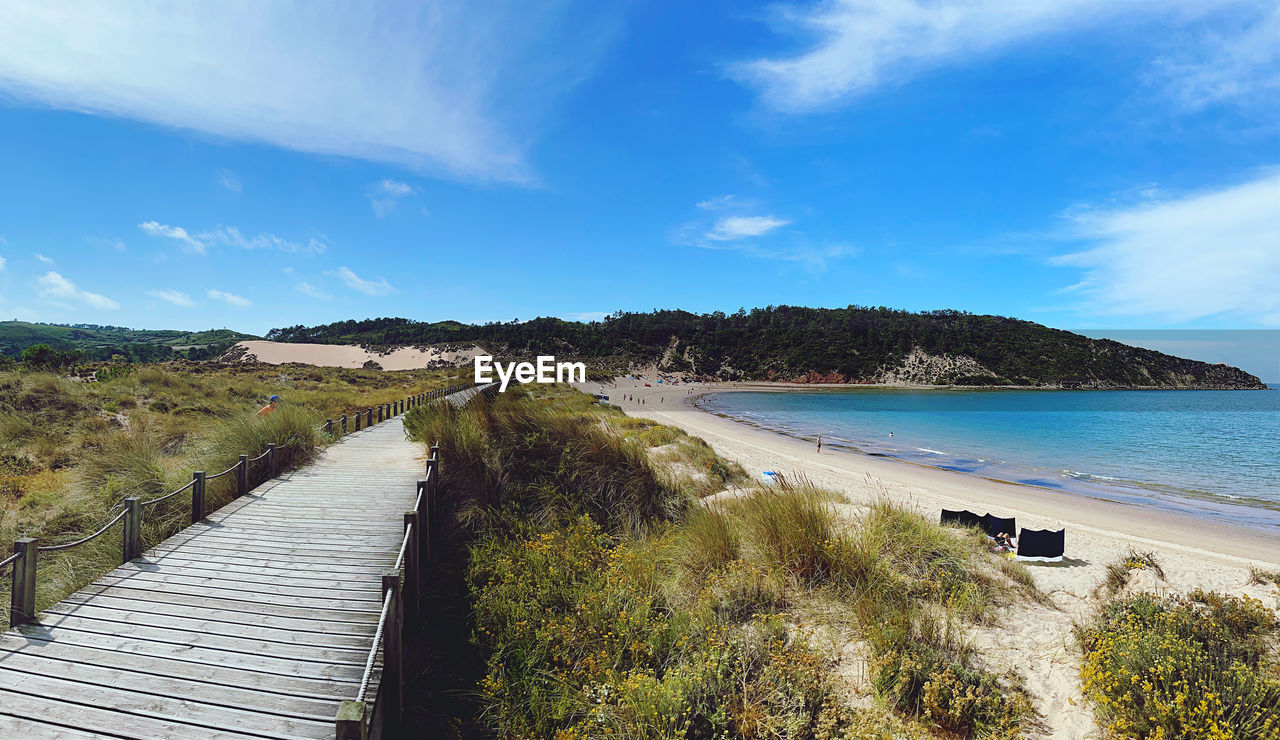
point(819, 443)
point(271, 406)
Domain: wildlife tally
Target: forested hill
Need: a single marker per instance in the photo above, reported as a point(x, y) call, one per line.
point(785, 343)
point(96, 342)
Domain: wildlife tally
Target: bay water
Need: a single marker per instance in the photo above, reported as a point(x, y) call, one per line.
point(1209, 453)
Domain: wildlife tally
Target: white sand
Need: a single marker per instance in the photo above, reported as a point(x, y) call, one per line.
point(342, 355)
point(1035, 640)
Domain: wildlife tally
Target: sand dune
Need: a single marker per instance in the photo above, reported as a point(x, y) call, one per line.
point(344, 355)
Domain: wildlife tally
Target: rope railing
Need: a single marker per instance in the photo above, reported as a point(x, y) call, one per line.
point(373, 654)
point(82, 540)
point(259, 457)
point(219, 475)
point(154, 501)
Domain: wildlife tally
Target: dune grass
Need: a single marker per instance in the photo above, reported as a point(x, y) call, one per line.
point(72, 451)
point(1199, 666)
point(1119, 572)
point(608, 601)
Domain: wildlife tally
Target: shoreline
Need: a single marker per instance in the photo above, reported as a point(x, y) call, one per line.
point(1035, 507)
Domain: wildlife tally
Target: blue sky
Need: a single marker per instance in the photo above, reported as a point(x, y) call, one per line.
point(1086, 164)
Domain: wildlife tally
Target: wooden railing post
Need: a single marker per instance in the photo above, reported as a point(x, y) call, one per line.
point(357, 420)
point(271, 460)
point(380, 413)
point(328, 427)
point(344, 423)
point(242, 476)
point(412, 567)
point(352, 721)
point(22, 600)
point(132, 528)
point(197, 496)
point(391, 690)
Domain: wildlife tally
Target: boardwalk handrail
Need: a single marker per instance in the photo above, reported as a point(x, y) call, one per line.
point(402, 587)
point(171, 494)
point(25, 550)
point(82, 540)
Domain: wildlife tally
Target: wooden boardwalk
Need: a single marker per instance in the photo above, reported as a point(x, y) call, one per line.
point(255, 622)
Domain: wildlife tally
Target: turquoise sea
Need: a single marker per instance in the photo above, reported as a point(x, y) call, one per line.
point(1211, 453)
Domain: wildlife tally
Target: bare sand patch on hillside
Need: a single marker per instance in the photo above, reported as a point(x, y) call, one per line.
point(345, 355)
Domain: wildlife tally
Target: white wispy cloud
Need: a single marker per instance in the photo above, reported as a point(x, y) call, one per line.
point(719, 202)
point(450, 87)
point(229, 298)
point(228, 180)
point(53, 285)
point(175, 297)
point(741, 227)
point(377, 287)
point(154, 228)
point(2, 263)
point(308, 289)
point(854, 47)
point(386, 193)
point(230, 236)
point(1239, 65)
point(586, 316)
point(44, 258)
point(1199, 255)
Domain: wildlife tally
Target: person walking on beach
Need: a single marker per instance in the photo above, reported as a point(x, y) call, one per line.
point(271, 406)
point(819, 443)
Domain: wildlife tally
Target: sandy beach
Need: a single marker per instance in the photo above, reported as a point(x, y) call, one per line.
point(1036, 639)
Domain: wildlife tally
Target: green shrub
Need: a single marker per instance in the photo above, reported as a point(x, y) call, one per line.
point(1199, 666)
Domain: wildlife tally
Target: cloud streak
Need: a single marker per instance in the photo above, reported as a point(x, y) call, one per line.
point(1204, 254)
point(855, 47)
point(731, 228)
point(452, 88)
point(175, 297)
point(308, 289)
point(385, 194)
point(53, 285)
point(230, 299)
point(230, 236)
point(379, 287)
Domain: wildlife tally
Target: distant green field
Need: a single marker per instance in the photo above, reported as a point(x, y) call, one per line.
point(101, 342)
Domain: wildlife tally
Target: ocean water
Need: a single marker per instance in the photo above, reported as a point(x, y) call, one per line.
point(1210, 453)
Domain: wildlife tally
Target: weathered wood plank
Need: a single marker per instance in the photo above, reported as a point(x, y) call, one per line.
point(109, 722)
point(192, 608)
point(208, 714)
point(242, 640)
point(84, 663)
point(201, 584)
point(273, 632)
point(200, 652)
point(19, 727)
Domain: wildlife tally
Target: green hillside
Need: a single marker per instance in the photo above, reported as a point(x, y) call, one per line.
point(101, 342)
point(789, 343)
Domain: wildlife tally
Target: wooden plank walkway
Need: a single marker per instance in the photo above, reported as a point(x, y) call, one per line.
point(255, 622)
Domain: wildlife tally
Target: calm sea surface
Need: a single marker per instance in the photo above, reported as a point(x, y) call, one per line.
point(1212, 453)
